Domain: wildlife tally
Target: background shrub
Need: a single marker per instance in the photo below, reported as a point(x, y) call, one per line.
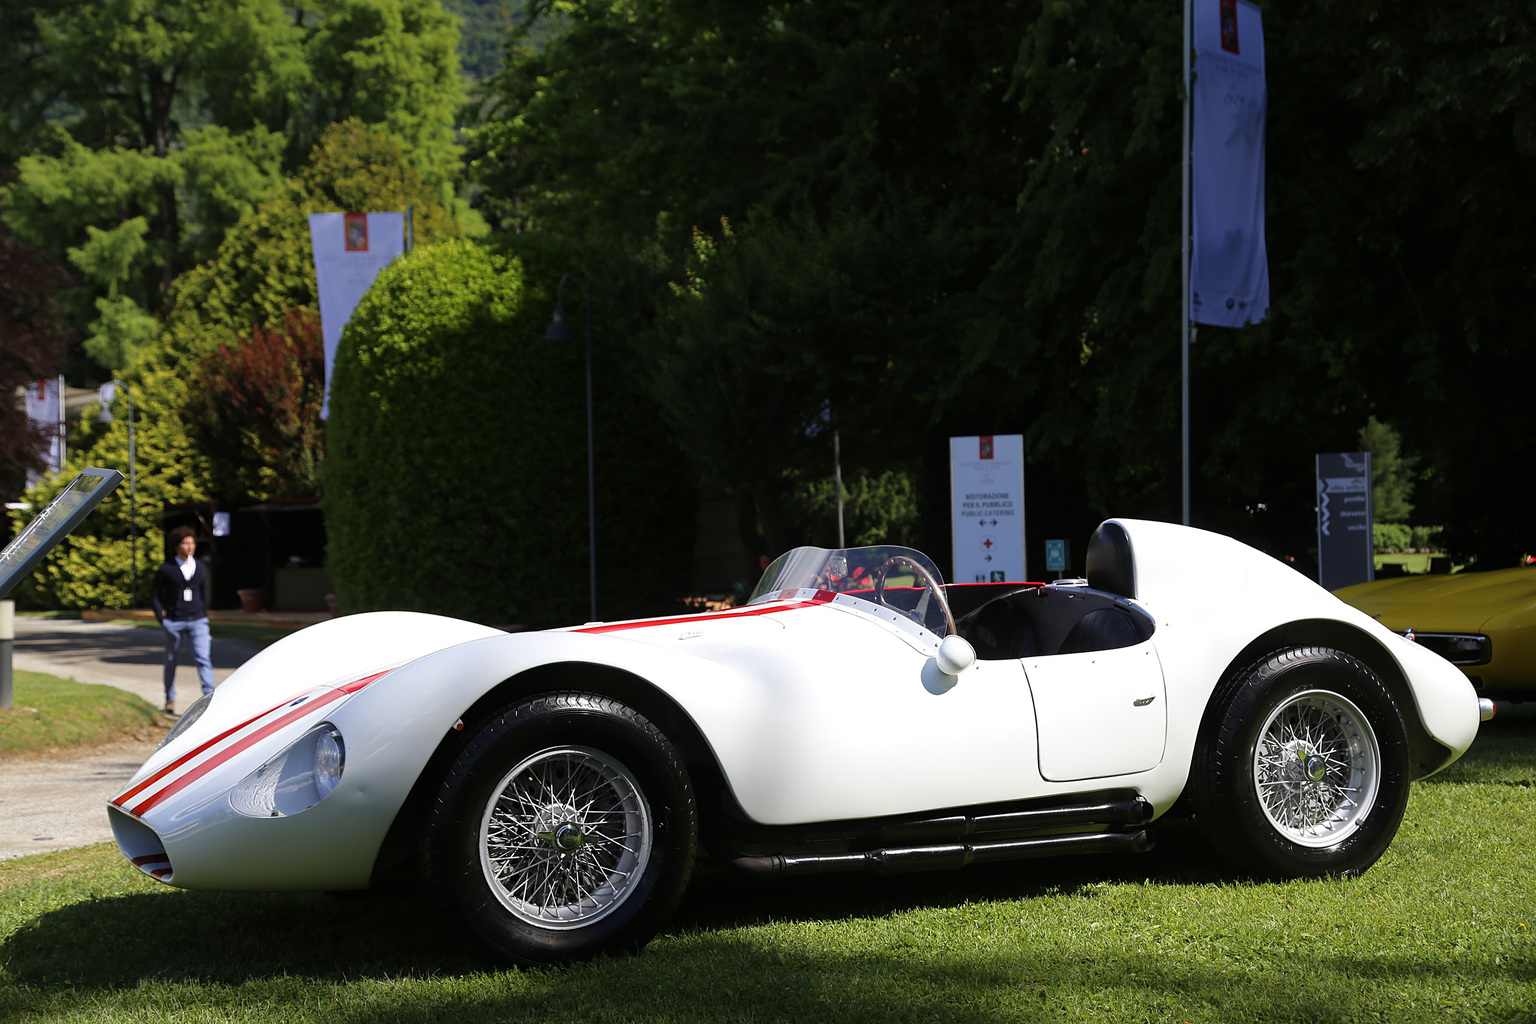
point(1391, 536)
point(455, 477)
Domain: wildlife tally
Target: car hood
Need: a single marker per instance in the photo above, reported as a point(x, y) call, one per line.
point(1467, 602)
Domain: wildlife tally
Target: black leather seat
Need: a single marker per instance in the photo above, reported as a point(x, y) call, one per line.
point(1103, 629)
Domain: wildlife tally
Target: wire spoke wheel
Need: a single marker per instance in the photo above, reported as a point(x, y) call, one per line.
point(1302, 766)
point(565, 837)
point(1316, 767)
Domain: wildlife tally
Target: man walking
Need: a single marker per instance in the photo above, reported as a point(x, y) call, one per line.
point(180, 599)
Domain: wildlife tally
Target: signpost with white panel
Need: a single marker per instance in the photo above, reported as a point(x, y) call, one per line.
point(986, 476)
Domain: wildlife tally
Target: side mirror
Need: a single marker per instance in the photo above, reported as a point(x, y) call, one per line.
point(955, 655)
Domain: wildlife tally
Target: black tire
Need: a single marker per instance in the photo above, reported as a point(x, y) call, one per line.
point(1301, 768)
point(565, 828)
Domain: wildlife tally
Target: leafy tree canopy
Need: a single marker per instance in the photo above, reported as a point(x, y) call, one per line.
point(1392, 472)
point(226, 395)
point(1400, 143)
point(868, 159)
point(264, 266)
point(184, 114)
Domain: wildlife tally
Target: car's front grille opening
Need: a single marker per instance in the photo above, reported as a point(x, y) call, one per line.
point(140, 844)
point(1458, 648)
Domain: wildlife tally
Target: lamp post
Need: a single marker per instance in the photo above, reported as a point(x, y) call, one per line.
point(560, 330)
point(105, 416)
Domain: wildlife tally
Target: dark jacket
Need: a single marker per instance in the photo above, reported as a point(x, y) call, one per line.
point(167, 595)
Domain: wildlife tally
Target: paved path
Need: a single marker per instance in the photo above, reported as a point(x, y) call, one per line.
point(127, 656)
point(57, 803)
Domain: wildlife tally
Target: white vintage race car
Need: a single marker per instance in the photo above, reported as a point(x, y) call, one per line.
point(856, 715)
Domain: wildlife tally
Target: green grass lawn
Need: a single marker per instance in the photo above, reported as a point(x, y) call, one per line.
point(54, 714)
point(1439, 930)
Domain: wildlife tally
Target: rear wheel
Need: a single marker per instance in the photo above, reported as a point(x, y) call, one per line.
point(565, 828)
point(1302, 766)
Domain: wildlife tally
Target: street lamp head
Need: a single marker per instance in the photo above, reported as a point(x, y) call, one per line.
point(560, 327)
point(108, 395)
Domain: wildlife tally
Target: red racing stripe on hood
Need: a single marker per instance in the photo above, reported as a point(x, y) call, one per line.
point(326, 696)
point(821, 597)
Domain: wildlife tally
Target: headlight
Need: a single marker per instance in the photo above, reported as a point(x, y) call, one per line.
point(295, 780)
point(184, 723)
point(329, 756)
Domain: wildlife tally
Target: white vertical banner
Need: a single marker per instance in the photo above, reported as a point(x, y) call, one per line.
point(986, 480)
point(350, 249)
point(45, 410)
point(1229, 266)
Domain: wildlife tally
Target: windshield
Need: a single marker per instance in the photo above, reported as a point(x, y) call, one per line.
point(898, 572)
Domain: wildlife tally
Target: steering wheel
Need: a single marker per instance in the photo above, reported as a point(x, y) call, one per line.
point(929, 583)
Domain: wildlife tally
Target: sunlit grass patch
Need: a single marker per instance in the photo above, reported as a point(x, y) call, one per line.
point(52, 714)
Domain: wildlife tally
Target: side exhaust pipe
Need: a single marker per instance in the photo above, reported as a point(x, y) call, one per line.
point(943, 856)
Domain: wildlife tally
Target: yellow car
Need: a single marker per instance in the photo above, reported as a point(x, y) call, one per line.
point(1482, 622)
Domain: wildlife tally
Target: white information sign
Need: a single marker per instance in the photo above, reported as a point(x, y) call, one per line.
point(986, 481)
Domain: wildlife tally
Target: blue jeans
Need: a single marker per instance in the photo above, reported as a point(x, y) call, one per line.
point(195, 630)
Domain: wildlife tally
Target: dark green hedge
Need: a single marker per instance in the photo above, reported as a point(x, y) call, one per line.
point(455, 480)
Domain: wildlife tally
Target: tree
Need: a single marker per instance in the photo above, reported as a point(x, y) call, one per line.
point(453, 422)
point(1398, 226)
point(828, 133)
point(91, 568)
point(172, 120)
point(392, 64)
point(264, 267)
point(1391, 472)
point(254, 411)
point(779, 332)
point(257, 282)
point(35, 338)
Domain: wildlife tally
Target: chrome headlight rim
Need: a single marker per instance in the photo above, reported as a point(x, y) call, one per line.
point(330, 759)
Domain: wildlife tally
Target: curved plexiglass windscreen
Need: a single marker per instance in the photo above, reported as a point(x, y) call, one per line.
point(855, 571)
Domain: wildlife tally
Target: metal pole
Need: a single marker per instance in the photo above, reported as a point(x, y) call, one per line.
point(63, 434)
point(133, 505)
point(1185, 230)
point(7, 642)
point(837, 473)
point(591, 463)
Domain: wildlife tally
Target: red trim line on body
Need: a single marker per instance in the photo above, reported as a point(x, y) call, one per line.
point(821, 597)
point(329, 695)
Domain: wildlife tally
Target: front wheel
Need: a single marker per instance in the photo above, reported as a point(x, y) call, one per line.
point(565, 828)
point(1302, 766)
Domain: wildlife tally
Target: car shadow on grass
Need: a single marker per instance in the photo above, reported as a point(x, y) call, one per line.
point(173, 935)
point(720, 898)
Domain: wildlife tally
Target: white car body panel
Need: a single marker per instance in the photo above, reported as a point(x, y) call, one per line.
point(1101, 714)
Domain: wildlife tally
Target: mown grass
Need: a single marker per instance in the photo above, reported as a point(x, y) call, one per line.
point(1439, 930)
point(55, 715)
